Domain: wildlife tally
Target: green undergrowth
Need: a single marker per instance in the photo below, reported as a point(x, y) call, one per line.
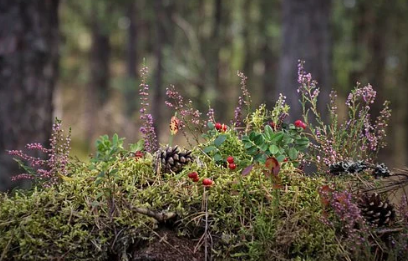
point(249, 218)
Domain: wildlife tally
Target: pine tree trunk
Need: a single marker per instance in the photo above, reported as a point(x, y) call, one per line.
point(28, 72)
point(306, 36)
point(158, 96)
point(99, 59)
point(131, 61)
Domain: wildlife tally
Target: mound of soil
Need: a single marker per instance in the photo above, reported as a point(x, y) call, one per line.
point(168, 247)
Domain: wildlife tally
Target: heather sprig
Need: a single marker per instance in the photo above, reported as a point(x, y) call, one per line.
point(189, 117)
point(243, 99)
point(347, 216)
point(147, 129)
point(357, 138)
point(47, 171)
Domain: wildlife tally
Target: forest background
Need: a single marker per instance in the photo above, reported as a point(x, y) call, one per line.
point(79, 61)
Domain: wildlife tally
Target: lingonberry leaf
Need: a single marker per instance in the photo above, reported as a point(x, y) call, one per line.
point(219, 140)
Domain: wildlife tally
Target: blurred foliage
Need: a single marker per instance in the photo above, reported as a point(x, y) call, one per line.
point(205, 42)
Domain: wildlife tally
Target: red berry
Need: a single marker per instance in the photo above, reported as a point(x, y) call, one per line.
point(196, 179)
point(230, 159)
point(138, 155)
point(193, 175)
point(300, 124)
point(285, 160)
point(232, 166)
point(207, 182)
point(224, 128)
point(218, 126)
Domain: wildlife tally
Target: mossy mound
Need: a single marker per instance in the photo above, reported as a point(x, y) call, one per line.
point(249, 217)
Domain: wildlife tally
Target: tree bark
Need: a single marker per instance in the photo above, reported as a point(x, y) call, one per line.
point(157, 97)
point(131, 58)
point(268, 16)
point(28, 71)
point(99, 59)
point(306, 36)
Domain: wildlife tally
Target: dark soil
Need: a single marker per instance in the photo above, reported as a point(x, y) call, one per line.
point(168, 247)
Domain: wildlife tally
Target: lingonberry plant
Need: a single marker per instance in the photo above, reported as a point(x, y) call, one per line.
point(359, 137)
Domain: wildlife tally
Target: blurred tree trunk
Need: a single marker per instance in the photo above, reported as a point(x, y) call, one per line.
point(131, 60)
point(158, 96)
point(269, 12)
point(99, 59)
point(213, 59)
point(305, 36)
point(248, 48)
point(29, 38)
point(370, 38)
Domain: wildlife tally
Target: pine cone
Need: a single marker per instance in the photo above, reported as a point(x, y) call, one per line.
point(375, 210)
point(172, 159)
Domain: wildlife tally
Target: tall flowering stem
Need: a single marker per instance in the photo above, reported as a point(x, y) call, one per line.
point(349, 220)
point(147, 129)
point(189, 117)
point(243, 100)
point(357, 138)
point(47, 171)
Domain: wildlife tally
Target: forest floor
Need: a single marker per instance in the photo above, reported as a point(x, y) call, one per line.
point(168, 247)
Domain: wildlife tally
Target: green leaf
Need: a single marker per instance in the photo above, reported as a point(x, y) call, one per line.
point(264, 147)
point(268, 132)
point(260, 158)
point(302, 141)
point(218, 157)
point(259, 140)
point(252, 150)
point(115, 140)
point(277, 137)
point(219, 140)
point(210, 125)
point(245, 138)
point(139, 146)
point(248, 145)
point(280, 158)
point(209, 149)
point(273, 149)
point(293, 153)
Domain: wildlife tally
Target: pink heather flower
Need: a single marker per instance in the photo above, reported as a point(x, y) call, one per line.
point(47, 170)
point(246, 97)
point(185, 110)
point(148, 131)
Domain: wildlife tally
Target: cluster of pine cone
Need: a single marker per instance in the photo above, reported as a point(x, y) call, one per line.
point(172, 159)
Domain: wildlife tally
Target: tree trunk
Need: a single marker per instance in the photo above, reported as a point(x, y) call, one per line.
point(306, 36)
point(157, 97)
point(28, 72)
point(131, 58)
point(98, 88)
point(269, 13)
point(214, 46)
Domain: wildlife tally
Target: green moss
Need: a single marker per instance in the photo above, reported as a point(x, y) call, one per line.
point(248, 218)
